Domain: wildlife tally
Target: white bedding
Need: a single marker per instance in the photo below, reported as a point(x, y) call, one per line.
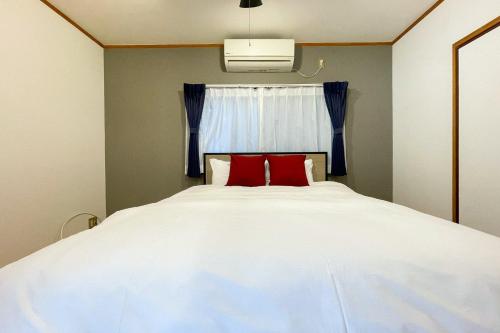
point(269, 259)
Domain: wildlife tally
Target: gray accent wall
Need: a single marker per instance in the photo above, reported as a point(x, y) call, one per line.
point(145, 121)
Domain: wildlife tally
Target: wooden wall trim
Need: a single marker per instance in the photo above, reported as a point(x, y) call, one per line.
point(169, 46)
point(73, 23)
point(420, 18)
point(173, 46)
point(159, 46)
point(456, 109)
point(345, 44)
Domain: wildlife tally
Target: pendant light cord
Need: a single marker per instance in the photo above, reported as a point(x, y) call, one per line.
point(249, 32)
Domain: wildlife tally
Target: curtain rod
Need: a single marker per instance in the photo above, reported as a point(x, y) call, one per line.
point(281, 85)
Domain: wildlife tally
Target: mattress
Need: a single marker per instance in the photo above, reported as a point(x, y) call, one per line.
point(270, 259)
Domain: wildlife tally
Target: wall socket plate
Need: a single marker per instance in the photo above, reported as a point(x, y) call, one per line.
point(92, 222)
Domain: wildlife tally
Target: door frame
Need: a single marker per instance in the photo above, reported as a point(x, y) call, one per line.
point(456, 108)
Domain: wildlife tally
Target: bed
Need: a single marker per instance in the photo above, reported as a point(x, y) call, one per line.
point(268, 259)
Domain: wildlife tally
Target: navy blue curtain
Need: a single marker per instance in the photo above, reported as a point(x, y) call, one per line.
point(336, 97)
point(194, 99)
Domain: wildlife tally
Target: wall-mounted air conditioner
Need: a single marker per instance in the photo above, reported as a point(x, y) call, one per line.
point(259, 55)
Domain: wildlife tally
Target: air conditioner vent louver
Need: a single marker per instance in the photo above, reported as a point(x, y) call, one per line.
point(259, 55)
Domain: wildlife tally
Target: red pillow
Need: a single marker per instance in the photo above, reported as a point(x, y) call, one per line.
point(287, 170)
point(247, 171)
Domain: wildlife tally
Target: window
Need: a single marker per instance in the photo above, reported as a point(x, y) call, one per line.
point(265, 119)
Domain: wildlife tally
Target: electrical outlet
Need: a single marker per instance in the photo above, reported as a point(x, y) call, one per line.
point(92, 222)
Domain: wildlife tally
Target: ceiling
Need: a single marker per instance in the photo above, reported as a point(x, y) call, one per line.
point(210, 21)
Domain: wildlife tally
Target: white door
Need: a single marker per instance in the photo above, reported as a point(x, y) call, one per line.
point(479, 133)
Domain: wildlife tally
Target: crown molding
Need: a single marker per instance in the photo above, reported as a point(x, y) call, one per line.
point(174, 46)
point(344, 44)
point(159, 46)
point(171, 46)
point(420, 18)
point(73, 23)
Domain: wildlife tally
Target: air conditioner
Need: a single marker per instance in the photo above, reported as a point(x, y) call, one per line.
point(259, 55)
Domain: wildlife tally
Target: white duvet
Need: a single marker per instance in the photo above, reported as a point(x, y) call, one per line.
point(269, 259)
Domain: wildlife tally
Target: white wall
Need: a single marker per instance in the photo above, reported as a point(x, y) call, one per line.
point(51, 126)
point(479, 103)
point(422, 80)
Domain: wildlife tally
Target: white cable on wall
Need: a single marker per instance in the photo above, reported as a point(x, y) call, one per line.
point(74, 217)
point(320, 67)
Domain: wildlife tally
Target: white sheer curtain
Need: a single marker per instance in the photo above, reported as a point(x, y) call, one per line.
point(295, 119)
point(267, 119)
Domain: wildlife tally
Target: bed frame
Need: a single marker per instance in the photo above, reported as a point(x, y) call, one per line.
point(320, 163)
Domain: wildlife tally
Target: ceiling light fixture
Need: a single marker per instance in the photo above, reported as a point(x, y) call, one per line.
point(250, 3)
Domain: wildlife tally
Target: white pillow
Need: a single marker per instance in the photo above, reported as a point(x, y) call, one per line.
point(268, 173)
point(309, 171)
point(308, 164)
point(220, 171)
